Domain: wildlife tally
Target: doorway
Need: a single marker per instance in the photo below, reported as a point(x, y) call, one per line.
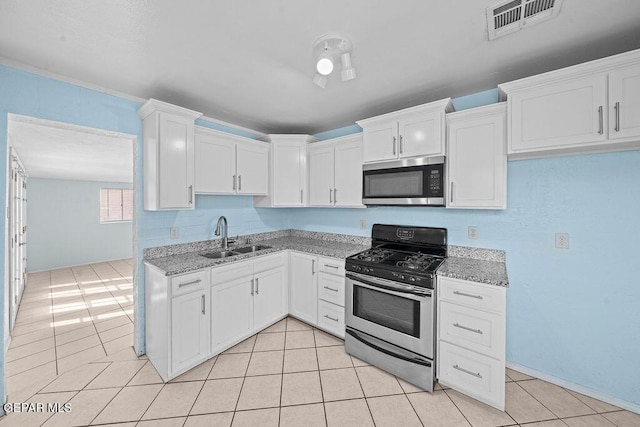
point(71, 288)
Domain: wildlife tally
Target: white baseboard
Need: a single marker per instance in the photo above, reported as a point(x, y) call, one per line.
point(629, 406)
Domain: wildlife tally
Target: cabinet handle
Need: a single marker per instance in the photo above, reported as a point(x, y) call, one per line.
point(313, 266)
point(257, 287)
point(335, 196)
point(332, 266)
point(193, 282)
point(234, 182)
point(191, 194)
point(239, 182)
point(330, 199)
point(475, 374)
point(601, 118)
point(617, 108)
point(203, 305)
point(468, 295)
point(301, 195)
point(400, 144)
point(466, 328)
point(451, 195)
point(330, 318)
point(331, 289)
point(251, 287)
point(394, 145)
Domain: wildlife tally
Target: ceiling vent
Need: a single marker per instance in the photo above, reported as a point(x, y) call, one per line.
point(512, 15)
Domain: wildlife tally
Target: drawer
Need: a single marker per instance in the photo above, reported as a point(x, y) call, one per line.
point(227, 273)
point(474, 295)
point(476, 330)
point(331, 288)
point(331, 265)
point(189, 282)
point(267, 262)
point(331, 318)
point(478, 376)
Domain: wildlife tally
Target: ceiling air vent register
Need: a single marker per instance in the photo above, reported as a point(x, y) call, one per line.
point(512, 15)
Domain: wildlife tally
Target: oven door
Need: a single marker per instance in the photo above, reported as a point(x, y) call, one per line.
point(400, 314)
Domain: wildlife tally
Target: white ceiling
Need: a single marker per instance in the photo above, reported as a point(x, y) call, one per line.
point(250, 63)
point(56, 151)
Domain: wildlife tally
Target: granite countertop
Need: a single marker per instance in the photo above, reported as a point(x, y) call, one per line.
point(179, 263)
point(475, 270)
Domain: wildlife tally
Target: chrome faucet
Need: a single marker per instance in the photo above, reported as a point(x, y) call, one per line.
point(225, 232)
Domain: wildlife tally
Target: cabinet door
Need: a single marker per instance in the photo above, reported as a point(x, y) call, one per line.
point(189, 330)
point(289, 162)
point(381, 142)
point(562, 115)
point(321, 176)
point(215, 164)
point(303, 300)
point(421, 135)
point(231, 312)
point(253, 168)
point(269, 300)
point(624, 103)
point(348, 174)
point(477, 163)
point(176, 152)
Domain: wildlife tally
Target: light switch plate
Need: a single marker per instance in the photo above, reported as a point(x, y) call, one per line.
point(174, 232)
point(562, 240)
point(473, 233)
point(363, 224)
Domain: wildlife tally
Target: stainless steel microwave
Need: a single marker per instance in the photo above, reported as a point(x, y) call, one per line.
point(417, 181)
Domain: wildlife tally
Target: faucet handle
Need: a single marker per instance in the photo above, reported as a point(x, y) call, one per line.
point(232, 240)
point(248, 240)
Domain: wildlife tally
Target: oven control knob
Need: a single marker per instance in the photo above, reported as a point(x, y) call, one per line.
point(358, 268)
point(402, 277)
point(412, 279)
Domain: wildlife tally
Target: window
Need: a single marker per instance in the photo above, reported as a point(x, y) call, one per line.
point(116, 204)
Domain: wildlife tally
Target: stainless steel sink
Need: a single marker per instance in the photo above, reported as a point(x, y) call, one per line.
point(220, 254)
point(254, 248)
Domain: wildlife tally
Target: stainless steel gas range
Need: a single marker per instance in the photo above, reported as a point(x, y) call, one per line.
point(390, 307)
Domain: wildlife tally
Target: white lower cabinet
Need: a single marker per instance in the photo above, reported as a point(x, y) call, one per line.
point(177, 320)
point(244, 305)
point(231, 312)
point(189, 330)
point(331, 295)
point(303, 287)
point(471, 339)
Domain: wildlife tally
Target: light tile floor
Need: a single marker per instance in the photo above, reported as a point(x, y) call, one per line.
point(290, 374)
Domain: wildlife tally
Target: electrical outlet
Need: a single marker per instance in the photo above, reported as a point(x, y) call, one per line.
point(562, 240)
point(363, 224)
point(174, 232)
point(473, 233)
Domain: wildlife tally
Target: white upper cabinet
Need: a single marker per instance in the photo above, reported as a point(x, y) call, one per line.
point(624, 103)
point(230, 164)
point(287, 171)
point(477, 160)
point(335, 172)
point(412, 132)
point(168, 150)
point(590, 107)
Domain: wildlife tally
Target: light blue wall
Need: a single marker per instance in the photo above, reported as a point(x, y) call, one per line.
point(63, 225)
point(573, 314)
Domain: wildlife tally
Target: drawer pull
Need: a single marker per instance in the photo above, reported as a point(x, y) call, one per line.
point(475, 374)
point(601, 125)
point(193, 282)
point(331, 289)
point(330, 318)
point(203, 305)
point(466, 328)
point(468, 295)
point(331, 266)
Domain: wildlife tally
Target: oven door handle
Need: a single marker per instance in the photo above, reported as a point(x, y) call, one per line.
point(386, 351)
point(390, 286)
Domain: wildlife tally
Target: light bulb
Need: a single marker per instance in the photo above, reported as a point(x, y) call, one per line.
point(325, 64)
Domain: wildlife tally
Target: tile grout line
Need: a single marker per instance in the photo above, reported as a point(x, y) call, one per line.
point(324, 406)
point(543, 405)
point(460, 410)
point(235, 409)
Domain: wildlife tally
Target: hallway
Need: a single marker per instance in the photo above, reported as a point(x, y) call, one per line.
point(67, 318)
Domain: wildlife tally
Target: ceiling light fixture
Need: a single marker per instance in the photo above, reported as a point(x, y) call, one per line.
point(327, 50)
